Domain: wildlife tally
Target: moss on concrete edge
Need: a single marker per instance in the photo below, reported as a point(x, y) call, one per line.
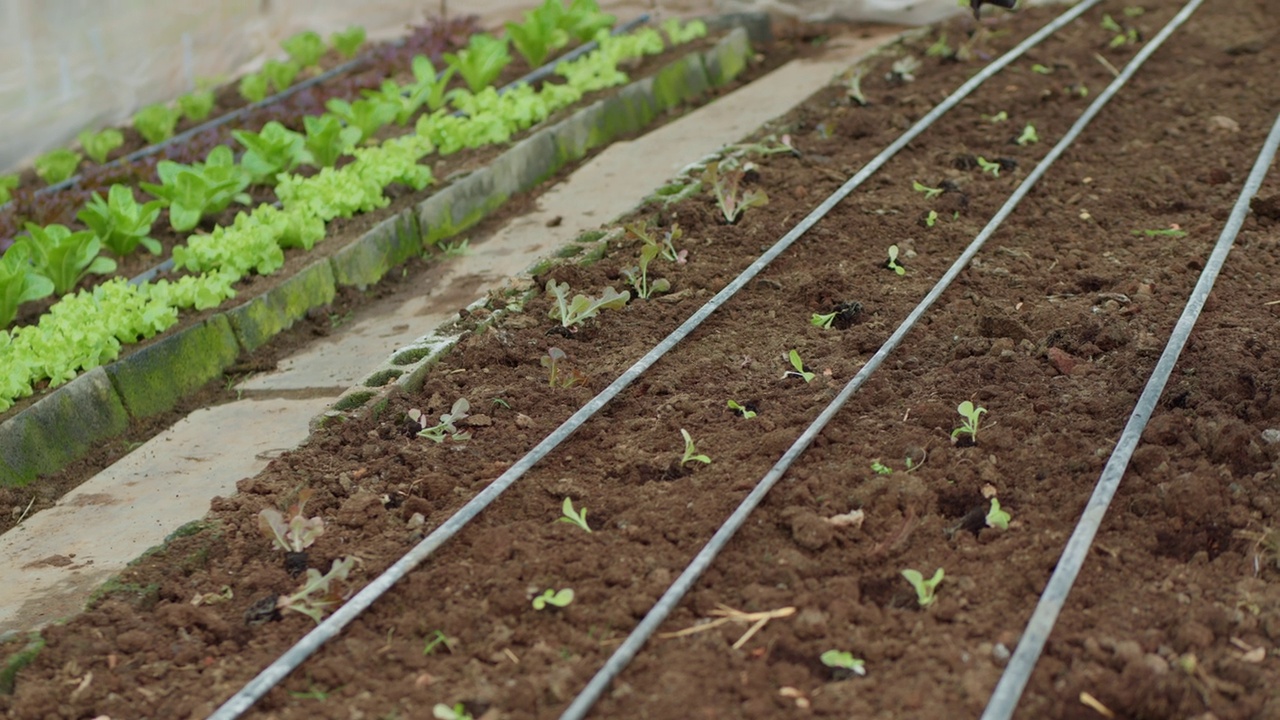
point(267, 315)
point(155, 378)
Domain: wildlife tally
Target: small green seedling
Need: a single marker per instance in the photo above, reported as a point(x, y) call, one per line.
point(572, 312)
point(905, 69)
point(854, 88)
point(559, 374)
point(996, 517)
point(931, 219)
point(457, 712)
point(1041, 69)
point(999, 117)
point(892, 262)
point(556, 598)
point(742, 410)
point(1162, 232)
point(822, 320)
point(573, 517)
point(446, 428)
point(880, 468)
point(989, 166)
point(841, 660)
point(294, 533)
point(929, 192)
point(971, 417)
point(1028, 135)
point(319, 593)
point(1122, 36)
point(925, 589)
point(690, 451)
point(799, 371)
point(940, 48)
point(435, 640)
point(638, 275)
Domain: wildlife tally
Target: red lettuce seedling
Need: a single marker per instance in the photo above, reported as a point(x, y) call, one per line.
point(446, 427)
point(726, 185)
point(558, 372)
point(571, 312)
point(295, 534)
point(319, 593)
point(481, 61)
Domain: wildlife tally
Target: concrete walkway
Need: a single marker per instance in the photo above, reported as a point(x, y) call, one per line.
point(54, 559)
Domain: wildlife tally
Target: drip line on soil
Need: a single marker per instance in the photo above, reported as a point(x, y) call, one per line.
point(529, 78)
point(332, 625)
point(678, 589)
point(1014, 680)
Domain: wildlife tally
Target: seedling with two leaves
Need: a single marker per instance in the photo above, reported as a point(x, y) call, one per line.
point(726, 185)
point(457, 712)
point(800, 370)
point(892, 263)
point(997, 517)
point(573, 517)
point(971, 418)
point(1028, 136)
point(572, 312)
point(295, 533)
point(666, 245)
point(638, 276)
point(691, 451)
point(559, 374)
point(446, 428)
point(743, 411)
point(319, 593)
point(554, 598)
point(843, 663)
point(929, 192)
point(925, 589)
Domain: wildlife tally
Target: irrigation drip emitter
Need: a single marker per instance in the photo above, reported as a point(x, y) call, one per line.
point(674, 594)
point(529, 78)
point(332, 625)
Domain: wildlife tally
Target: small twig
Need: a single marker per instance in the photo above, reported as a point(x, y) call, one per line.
point(896, 539)
point(727, 614)
point(23, 516)
point(1107, 64)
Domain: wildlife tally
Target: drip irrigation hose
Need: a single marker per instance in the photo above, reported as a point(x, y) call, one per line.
point(676, 592)
point(332, 625)
point(1014, 680)
point(529, 78)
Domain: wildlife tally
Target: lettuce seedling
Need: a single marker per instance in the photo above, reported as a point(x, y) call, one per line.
point(274, 150)
point(559, 374)
point(931, 219)
point(98, 145)
point(8, 183)
point(800, 370)
point(572, 312)
point(19, 283)
point(853, 88)
point(63, 256)
point(929, 192)
point(583, 19)
point(573, 517)
point(725, 184)
point(193, 191)
point(253, 87)
point(57, 165)
point(280, 74)
point(638, 276)
point(296, 533)
point(971, 417)
point(327, 139)
point(457, 712)
point(742, 410)
point(822, 320)
point(1122, 36)
point(556, 598)
point(305, 48)
point(319, 593)
point(690, 451)
point(892, 262)
point(996, 517)
point(940, 48)
point(156, 122)
point(841, 660)
point(120, 222)
point(925, 589)
point(539, 34)
point(989, 166)
point(680, 34)
point(348, 42)
point(880, 469)
point(481, 61)
point(368, 115)
point(197, 105)
point(666, 245)
point(445, 428)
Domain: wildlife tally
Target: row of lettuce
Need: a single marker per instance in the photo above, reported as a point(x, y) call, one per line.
point(88, 328)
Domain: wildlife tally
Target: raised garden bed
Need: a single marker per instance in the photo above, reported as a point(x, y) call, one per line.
point(1053, 329)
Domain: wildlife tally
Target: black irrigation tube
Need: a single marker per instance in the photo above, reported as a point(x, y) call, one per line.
point(676, 592)
point(332, 625)
point(529, 78)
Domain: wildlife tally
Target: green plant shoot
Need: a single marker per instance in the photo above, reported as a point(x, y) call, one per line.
point(929, 192)
point(931, 219)
point(253, 87)
point(880, 469)
point(446, 427)
point(120, 222)
point(691, 452)
point(1028, 135)
point(444, 712)
point(197, 105)
point(989, 166)
point(741, 410)
point(572, 312)
point(925, 589)
point(799, 371)
point(7, 183)
point(57, 165)
point(573, 517)
point(65, 257)
point(305, 48)
point(556, 598)
point(156, 122)
point(971, 418)
point(842, 660)
point(348, 42)
point(996, 517)
point(97, 145)
point(892, 262)
point(822, 320)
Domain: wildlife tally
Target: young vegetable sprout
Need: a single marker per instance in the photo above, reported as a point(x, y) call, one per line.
point(996, 517)
point(822, 320)
point(971, 418)
point(557, 598)
point(988, 166)
point(892, 262)
point(880, 468)
point(1028, 135)
point(925, 589)
point(799, 371)
point(842, 660)
point(929, 192)
point(574, 517)
point(931, 219)
point(444, 712)
point(741, 410)
point(691, 452)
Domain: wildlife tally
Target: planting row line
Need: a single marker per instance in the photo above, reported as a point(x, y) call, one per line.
point(86, 329)
point(722, 180)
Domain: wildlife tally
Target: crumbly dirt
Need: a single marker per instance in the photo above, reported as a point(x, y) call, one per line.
point(1053, 328)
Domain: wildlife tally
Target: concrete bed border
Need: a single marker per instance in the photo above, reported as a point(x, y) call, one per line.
point(100, 404)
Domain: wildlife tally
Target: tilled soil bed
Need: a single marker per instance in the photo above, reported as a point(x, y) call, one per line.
point(1054, 329)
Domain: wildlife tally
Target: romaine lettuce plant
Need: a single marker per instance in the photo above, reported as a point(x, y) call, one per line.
point(7, 183)
point(305, 48)
point(253, 87)
point(368, 115)
point(275, 150)
point(97, 145)
point(156, 122)
point(57, 165)
point(348, 42)
point(19, 283)
point(120, 222)
point(280, 73)
point(572, 312)
point(193, 191)
point(64, 256)
point(196, 105)
point(481, 61)
point(583, 19)
point(539, 34)
point(327, 140)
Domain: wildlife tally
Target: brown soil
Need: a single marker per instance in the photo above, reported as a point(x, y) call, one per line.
point(1054, 329)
